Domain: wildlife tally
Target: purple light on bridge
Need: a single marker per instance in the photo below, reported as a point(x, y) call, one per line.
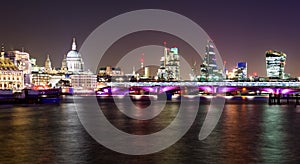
point(286, 91)
point(150, 89)
point(227, 89)
point(206, 89)
point(168, 88)
point(114, 89)
point(269, 90)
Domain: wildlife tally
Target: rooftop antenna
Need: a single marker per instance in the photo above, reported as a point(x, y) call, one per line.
point(133, 70)
point(165, 53)
point(142, 60)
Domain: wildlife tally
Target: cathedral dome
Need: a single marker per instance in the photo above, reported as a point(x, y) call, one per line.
point(73, 54)
point(73, 61)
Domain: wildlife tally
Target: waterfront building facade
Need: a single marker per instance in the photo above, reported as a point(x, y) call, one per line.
point(10, 76)
point(22, 60)
point(40, 79)
point(110, 71)
point(84, 82)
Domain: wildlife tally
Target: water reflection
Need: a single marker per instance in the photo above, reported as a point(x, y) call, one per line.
point(240, 133)
point(273, 146)
point(246, 133)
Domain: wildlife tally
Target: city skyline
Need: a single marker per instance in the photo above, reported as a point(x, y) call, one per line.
point(242, 31)
point(73, 60)
point(149, 81)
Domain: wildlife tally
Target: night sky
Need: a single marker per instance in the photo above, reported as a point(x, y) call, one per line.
point(242, 30)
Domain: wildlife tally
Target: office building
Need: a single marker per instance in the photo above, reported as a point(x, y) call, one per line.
point(209, 69)
point(242, 71)
point(275, 63)
point(169, 65)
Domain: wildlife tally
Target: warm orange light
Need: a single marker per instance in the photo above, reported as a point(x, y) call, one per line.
point(244, 89)
point(40, 87)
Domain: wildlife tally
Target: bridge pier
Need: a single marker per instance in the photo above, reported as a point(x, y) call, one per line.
point(275, 99)
point(271, 99)
point(278, 96)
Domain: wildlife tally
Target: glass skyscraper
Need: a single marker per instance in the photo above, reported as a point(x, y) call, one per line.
point(209, 69)
point(169, 65)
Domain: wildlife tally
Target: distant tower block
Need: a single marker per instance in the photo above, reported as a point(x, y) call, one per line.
point(147, 72)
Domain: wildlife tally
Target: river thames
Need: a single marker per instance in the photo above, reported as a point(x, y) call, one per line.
point(246, 133)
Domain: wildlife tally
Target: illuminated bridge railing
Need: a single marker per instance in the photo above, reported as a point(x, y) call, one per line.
point(232, 84)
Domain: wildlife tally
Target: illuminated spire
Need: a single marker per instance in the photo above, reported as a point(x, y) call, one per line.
point(48, 67)
point(2, 51)
point(2, 48)
point(74, 45)
point(64, 64)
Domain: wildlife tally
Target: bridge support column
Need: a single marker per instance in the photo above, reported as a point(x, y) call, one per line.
point(278, 96)
point(271, 99)
point(169, 95)
point(214, 90)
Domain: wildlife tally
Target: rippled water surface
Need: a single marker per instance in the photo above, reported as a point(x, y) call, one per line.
point(246, 133)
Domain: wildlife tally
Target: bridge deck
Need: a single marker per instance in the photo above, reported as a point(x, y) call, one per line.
point(232, 84)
